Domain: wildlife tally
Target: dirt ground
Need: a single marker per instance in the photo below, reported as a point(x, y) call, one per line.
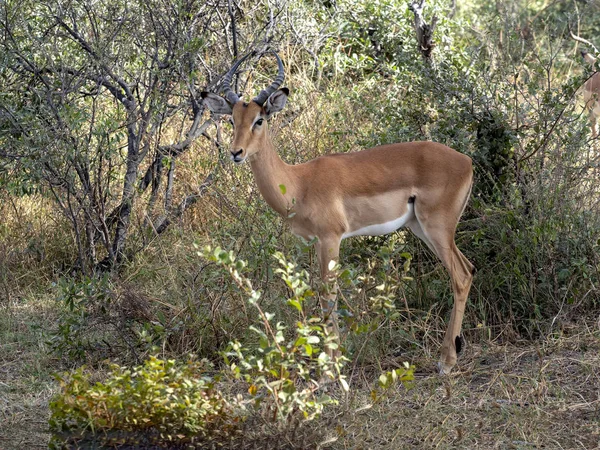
point(530, 395)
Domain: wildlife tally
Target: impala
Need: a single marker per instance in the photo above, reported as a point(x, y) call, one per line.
point(591, 94)
point(420, 185)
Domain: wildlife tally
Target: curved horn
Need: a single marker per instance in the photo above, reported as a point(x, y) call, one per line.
point(262, 97)
point(231, 96)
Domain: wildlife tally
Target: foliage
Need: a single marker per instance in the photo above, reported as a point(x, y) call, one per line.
point(130, 188)
point(98, 318)
point(502, 89)
point(403, 374)
point(161, 401)
point(541, 266)
point(77, 301)
point(168, 401)
point(504, 92)
point(377, 290)
point(282, 372)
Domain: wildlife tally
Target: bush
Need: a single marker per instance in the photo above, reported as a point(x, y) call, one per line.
point(99, 318)
point(165, 402)
point(284, 373)
point(158, 402)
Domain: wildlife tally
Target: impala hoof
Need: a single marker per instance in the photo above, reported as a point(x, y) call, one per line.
point(444, 369)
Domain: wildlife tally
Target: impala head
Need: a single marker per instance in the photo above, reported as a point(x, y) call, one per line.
point(250, 128)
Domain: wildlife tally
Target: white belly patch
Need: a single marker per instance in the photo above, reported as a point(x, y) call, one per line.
point(383, 228)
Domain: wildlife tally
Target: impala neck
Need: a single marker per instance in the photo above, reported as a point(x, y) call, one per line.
point(270, 172)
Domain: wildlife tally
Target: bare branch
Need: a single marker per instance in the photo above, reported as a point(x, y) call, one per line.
point(127, 99)
point(423, 30)
point(188, 201)
point(583, 41)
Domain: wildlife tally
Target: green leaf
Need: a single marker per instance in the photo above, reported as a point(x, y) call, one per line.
point(296, 304)
point(300, 341)
point(283, 189)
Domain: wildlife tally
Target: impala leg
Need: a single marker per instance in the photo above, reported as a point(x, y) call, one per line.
point(460, 269)
point(461, 274)
point(328, 249)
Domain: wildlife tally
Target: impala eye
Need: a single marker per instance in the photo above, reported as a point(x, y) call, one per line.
point(259, 122)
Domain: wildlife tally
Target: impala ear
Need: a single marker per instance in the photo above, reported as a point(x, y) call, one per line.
point(276, 101)
point(216, 103)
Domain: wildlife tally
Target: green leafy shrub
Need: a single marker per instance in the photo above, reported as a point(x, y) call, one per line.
point(159, 401)
point(382, 309)
point(79, 302)
point(535, 266)
point(284, 370)
point(169, 403)
point(403, 374)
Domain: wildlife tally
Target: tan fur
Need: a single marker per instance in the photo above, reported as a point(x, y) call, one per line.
point(591, 96)
point(335, 194)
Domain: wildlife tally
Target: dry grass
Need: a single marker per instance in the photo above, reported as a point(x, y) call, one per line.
point(543, 394)
point(26, 383)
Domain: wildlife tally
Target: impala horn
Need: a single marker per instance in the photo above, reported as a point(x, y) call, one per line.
point(262, 97)
point(231, 96)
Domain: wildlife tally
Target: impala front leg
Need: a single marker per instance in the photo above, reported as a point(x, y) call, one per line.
point(328, 249)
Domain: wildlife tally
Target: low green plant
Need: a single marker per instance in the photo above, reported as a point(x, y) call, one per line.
point(161, 401)
point(99, 318)
point(170, 403)
point(387, 380)
point(78, 302)
point(284, 372)
point(380, 293)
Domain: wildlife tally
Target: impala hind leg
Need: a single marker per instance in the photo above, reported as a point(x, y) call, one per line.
point(461, 275)
point(440, 239)
point(328, 249)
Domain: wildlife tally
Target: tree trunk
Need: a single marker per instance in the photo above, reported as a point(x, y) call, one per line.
point(424, 31)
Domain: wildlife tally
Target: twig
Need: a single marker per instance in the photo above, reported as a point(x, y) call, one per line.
point(188, 201)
